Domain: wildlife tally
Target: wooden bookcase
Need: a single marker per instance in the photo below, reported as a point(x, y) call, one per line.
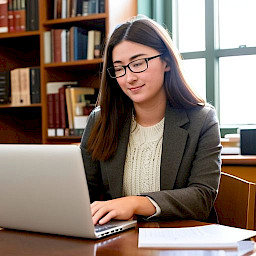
point(28, 124)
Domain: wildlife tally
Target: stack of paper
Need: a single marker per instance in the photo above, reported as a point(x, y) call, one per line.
point(202, 237)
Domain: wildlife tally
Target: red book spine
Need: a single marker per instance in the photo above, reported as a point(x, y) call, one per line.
point(3, 16)
point(57, 110)
point(57, 45)
point(51, 110)
point(63, 111)
point(10, 17)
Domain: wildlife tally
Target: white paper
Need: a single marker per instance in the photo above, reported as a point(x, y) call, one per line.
point(208, 236)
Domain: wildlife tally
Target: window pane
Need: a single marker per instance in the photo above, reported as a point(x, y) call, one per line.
point(191, 25)
point(238, 90)
point(237, 21)
point(195, 75)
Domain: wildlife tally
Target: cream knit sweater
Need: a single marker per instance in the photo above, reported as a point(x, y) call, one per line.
point(143, 158)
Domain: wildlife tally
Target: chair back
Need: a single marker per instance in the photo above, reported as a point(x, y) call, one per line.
point(235, 203)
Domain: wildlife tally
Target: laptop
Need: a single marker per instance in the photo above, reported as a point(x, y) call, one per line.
point(43, 188)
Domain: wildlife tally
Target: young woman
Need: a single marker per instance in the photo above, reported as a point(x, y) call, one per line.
point(152, 146)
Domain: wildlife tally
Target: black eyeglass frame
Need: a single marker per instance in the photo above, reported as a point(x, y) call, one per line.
point(128, 66)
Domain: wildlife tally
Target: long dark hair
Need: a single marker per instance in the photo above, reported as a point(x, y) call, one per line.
point(115, 106)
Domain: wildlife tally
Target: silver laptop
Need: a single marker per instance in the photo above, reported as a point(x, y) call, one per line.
point(43, 188)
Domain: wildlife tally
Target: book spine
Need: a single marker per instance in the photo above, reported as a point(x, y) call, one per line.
point(4, 87)
point(15, 87)
point(17, 16)
point(90, 49)
point(22, 16)
point(101, 6)
point(47, 47)
point(28, 14)
point(79, 7)
point(57, 45)
point(56, 105)
point(33, 13)
point(50, 111)
point(25, 86)
point(10, 17)
point(62, 108)
point(35, 85)
point(3, 16)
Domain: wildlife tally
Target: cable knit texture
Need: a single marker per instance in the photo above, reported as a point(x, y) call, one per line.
point(143, 159)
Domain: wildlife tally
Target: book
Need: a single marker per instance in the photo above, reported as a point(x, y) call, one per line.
point(3, 16)
point(56, 43)
point(22, 15)
point(34, 15)
point(101, 6)
point(15, 87)
point(17, 15)
point(53, 105)
point(25, 86)
point(35, 93)
point(97, 44)
point(10, 17)
point(75, 103)
point(47, 47)
point(93, 6)
point(63, 36)
point(4, 87)
point(94, 37)
point(80, 38)
point(85, 8)
point(79, 7)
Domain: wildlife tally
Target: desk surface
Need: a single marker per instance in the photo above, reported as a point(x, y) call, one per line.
point(238, 160)
point(122, 244)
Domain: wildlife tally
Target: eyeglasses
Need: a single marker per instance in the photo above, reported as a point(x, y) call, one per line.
point(136, 66)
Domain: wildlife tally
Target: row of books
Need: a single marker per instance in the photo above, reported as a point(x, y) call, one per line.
point(69, 106)
point(71, 8)
point(20, 86)
point(76, 43)
point(18, 15)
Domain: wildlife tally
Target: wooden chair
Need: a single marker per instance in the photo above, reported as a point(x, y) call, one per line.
point(235, 203)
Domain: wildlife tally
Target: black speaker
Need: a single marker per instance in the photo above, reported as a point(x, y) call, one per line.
point(248, 141)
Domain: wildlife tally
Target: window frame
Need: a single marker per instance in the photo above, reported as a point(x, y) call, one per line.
point(211, 54)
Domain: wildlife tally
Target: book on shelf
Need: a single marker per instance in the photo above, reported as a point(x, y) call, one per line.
point(23, 88)
point(61, 45)
point(35, 94)
point(4, 87)
point(56, 44)
point(94, 44)
point(3, 16)
point(10, 17)
point(55, 125)
point(22, 11)
point(78, 100)
point(47, 47)
point(16, 15)
point(72, 8)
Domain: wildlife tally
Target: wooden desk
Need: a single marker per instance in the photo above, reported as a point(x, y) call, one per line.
point(241, 166)
point(123, 244)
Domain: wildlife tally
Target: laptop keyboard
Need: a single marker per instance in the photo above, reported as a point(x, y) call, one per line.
point(100, 228)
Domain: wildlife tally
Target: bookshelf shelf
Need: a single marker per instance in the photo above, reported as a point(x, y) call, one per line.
point(24, 106)
point(71, 64)
point(19, 34)
point(30, 123)
point(91, 17)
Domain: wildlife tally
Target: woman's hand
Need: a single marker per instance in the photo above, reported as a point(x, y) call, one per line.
point(123, 208)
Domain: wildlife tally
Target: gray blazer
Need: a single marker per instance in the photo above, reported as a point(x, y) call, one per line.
point(190, 164)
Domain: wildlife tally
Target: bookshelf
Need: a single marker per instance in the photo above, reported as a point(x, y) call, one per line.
point(29, 123)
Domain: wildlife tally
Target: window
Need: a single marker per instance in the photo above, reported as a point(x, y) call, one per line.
point(218, 44)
